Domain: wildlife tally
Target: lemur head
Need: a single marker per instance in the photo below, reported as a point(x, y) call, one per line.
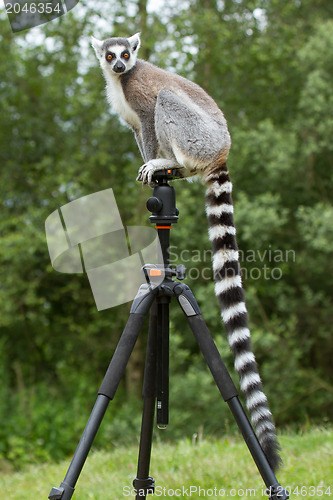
point(117, 55)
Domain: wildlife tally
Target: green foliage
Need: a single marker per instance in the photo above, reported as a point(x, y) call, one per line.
point(269, 66)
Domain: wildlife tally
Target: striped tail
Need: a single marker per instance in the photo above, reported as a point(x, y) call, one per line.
point(228, 289)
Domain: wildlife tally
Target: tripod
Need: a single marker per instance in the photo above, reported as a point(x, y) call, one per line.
point(155, 297)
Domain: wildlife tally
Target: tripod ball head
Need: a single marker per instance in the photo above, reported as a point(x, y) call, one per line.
point(163, 204)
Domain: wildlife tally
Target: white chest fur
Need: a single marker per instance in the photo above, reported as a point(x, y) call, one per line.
point(119, 104)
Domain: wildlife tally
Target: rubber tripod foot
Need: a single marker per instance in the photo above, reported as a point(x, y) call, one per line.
point(56, 493)
point(63, 492)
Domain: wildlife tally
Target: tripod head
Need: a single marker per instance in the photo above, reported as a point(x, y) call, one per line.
point(163, 202)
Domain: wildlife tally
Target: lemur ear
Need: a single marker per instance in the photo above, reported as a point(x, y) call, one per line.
point(135, 42)
point(97, 45)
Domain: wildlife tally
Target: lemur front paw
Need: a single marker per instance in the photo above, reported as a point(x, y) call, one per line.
point(146, 172)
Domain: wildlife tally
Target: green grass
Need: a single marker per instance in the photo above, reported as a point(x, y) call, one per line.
point(225, 464)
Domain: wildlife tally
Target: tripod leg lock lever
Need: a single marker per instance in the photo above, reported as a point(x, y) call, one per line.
point(145, 486)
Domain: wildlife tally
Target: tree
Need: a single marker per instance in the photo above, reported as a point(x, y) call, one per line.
point(268, 65)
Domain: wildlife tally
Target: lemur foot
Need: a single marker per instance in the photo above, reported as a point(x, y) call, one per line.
point(146, 172)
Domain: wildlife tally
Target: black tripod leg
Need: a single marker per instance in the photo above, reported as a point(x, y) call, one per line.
point(66, 489)
point(143, 483)
point(228, 390)
point(139, 310)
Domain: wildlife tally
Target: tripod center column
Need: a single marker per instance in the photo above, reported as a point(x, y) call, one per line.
point(164, 213)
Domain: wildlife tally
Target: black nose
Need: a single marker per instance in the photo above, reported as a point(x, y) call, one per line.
point(119, 67)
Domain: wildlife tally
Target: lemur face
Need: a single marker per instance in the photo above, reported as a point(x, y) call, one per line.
point(117, 55)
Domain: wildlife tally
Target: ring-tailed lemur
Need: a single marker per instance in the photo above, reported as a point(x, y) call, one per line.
point(178, 125)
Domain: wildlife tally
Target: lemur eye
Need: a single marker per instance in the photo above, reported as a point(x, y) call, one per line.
point(109, 57)
point(126, 55)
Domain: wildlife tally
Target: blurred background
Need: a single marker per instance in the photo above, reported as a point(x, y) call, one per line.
point(269, 66)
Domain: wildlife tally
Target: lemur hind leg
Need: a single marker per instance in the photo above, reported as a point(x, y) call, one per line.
point(188, 139)
point(186, 133)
